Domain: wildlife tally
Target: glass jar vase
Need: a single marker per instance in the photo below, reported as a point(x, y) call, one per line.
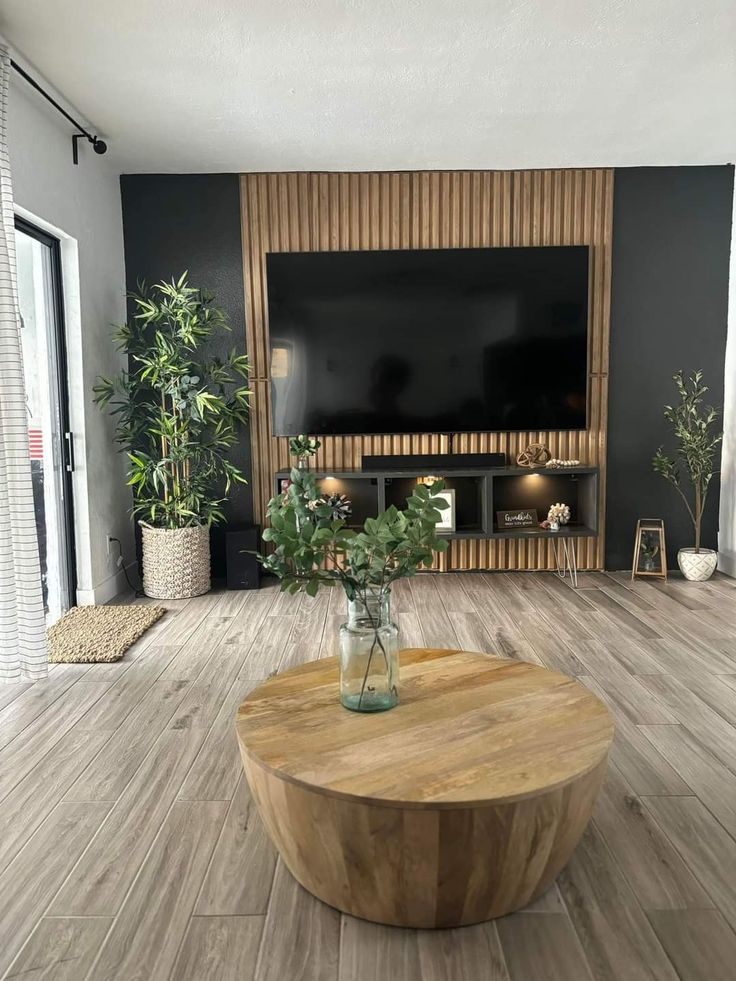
point(369, 655)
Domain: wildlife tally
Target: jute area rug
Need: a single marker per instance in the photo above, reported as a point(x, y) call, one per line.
point(88, 634)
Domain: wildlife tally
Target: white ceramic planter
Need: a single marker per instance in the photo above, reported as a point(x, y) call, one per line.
point(697, 566)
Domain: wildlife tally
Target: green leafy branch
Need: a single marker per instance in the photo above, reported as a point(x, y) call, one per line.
point(698, 437)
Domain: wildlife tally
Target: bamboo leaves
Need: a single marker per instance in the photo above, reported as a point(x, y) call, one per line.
point(177, 416)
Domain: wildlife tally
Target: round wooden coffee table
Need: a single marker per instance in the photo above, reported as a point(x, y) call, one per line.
point(460, 805)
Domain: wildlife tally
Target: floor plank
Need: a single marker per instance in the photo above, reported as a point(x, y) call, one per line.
point(699, 942)
point(219, 948)
point(242, 887)
point(655, 871)
point(311, 952)
point(704, 844)
point(542, 948)
point(29, 882)
point(98, 884)
point(60, 949)
point(711, 781)
point(33, 799)
point(612, 928)
point(142, 945)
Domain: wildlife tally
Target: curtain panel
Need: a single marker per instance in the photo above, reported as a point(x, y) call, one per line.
point(23, 654)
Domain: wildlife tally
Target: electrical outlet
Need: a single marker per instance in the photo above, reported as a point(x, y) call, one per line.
point(109, 540)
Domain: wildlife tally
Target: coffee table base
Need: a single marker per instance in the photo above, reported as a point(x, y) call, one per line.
point(418, 866)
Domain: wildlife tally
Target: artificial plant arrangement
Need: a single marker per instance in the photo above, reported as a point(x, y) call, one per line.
point(693, 466)
point(303, 448)
point(313, 547)
point(178, 415)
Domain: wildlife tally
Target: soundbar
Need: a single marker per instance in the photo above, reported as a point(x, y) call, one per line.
point(435, 462)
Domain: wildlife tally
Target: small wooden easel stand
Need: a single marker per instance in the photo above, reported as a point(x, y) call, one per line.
point(650, 526)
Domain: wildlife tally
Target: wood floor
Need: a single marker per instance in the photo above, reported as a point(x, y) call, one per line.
point(130, 848)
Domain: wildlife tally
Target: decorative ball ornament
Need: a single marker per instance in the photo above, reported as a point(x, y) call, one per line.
point(535, 455)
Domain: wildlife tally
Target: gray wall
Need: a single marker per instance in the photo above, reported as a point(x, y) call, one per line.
point(671, 242)
point(175, 222)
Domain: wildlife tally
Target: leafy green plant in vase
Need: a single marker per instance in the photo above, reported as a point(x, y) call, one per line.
point(304, 448)
point(313, 547)
point(178, 415)
point(693, 465)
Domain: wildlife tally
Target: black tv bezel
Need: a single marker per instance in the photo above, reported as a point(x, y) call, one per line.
point(435, 432)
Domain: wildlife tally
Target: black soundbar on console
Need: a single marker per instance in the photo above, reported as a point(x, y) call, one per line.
point(441, 461)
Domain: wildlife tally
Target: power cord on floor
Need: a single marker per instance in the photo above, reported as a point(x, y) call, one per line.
point(121, 564)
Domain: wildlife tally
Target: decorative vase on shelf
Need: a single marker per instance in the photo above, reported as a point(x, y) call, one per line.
point(303, 463)
point(554, 526)
point(369, 660)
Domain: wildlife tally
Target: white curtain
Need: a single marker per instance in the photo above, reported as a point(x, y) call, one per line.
point(22, 624)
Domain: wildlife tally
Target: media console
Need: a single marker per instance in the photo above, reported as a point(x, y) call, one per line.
point(479, 494)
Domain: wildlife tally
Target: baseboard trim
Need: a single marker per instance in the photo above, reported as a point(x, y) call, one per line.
point(727, 563)
point(109, 588)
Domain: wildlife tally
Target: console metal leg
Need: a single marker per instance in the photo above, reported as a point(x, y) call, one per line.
point(566, 559)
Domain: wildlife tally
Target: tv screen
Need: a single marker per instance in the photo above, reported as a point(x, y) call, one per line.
point(431, 340)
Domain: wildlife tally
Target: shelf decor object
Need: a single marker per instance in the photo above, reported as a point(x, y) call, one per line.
point(535, 455)
point(650, 551)
point(450, 811)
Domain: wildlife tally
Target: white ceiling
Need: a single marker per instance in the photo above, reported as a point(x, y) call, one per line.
point(239, 85)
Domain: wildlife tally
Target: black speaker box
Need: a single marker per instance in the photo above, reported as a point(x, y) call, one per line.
point(442, 462)
point(243, 568)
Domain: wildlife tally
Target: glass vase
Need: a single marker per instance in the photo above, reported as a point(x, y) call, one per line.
point(369, 655)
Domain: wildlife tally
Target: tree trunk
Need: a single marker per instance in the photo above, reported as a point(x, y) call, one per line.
point(698, 516)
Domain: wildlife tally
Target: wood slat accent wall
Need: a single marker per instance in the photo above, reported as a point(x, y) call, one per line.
point(432, 209)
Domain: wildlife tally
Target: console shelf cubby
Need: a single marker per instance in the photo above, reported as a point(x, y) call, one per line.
point(479, 494)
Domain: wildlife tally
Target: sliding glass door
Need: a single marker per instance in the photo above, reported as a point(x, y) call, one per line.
point(52, 451)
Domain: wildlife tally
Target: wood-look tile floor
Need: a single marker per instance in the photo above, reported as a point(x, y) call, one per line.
point(130, 848)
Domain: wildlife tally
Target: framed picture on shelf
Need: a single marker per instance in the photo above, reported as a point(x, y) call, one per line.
point(448, 515)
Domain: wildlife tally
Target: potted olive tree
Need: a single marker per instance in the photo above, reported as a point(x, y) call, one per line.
point(313, 547)
point(178, 416)
point(698, 436)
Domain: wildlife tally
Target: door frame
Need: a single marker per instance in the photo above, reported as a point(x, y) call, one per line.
point(58, 340)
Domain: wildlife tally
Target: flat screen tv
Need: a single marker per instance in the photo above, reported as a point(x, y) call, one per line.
point(431, 340)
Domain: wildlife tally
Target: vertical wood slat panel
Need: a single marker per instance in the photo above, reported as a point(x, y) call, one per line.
point(432, 209)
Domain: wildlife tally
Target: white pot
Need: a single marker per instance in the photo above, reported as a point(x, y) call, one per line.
point(697, 566)
point(554, 526)
point(176, 561)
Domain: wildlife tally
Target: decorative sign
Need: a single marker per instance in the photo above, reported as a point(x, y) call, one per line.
point(524, 518)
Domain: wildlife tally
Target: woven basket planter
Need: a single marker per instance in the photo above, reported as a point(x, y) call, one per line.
point(176, 561)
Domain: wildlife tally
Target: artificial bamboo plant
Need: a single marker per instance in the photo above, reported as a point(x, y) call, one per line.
point(695, 429)
point(178, 412)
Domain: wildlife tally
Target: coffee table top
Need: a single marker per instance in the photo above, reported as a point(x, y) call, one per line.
point(471, 729)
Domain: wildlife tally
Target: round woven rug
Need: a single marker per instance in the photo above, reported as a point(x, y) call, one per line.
point(87, 634)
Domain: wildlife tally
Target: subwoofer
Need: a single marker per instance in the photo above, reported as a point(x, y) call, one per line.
point(243, 568)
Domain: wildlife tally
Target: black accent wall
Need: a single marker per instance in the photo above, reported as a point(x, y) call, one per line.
point(671, 243)
point(177, 222)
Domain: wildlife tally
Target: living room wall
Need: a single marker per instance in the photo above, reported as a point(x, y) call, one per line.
point(173, 223)
point(669, 310)
point(671, 239)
